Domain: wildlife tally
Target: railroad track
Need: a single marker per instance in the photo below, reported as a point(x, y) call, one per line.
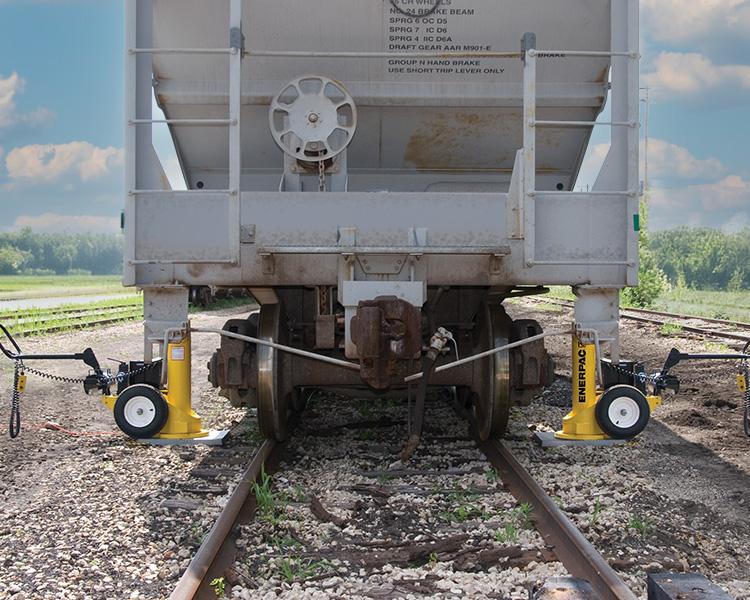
point(346, 511)
point(61, 310)
point(27, 325)
point(722, 328)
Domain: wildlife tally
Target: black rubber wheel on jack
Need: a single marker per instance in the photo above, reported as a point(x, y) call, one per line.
point(622, 412)
point(141, 411)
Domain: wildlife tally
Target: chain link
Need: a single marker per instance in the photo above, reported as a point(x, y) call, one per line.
point(21, 370)
point(644, 377)
point(746, 421)
point(321, 176)
point(109, 377)
point(14, 427)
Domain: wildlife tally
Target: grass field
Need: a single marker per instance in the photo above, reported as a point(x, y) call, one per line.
point(734, 306)
point(19, 287)
point(39, 321)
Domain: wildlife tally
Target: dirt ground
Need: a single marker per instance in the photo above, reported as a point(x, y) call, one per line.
point(687, 475)
point(83, 516)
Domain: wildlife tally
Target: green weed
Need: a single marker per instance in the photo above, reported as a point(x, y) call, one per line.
point(508, 534)
point(668, 329)
point(287, 542)
point(219, 586)
point(293, 569)
point(491, 475)
point(640, 525)
point(522, 515)
point(463, 512)
point(299, 494)
point(267, 505)
point(384, 477)
point(596, 513)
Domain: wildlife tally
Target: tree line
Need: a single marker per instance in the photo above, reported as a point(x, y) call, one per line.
point(26, 252)
point(703, 259)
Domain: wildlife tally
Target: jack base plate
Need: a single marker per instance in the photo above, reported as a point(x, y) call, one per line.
point(214, 438)
point(547, 439)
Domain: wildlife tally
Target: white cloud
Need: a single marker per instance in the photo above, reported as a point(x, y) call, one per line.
point(732, 192)
point(48, 163)
point(10, 87)
point(724, 204)
point(737, 222)
point(681, 22)
point(56, 223)
point(692, 74)
point(668, 160)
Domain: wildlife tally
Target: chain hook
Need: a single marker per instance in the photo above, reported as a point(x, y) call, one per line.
point(321, 176)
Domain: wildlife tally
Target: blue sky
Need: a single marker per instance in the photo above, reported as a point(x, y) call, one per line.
point(61, 113)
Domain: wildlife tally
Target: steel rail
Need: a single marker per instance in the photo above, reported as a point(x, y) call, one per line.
point(725, 322)
point(72, 315)
point(690, 328)
point(700, 330)
point(52, 310)
point(194, 576)
point(573, 550)
point(72, 325)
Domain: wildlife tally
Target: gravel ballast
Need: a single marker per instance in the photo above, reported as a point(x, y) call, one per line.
point(99, 516)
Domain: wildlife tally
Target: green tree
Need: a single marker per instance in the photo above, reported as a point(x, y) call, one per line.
point(11, 260)
point(651, 279)
point(704, 258)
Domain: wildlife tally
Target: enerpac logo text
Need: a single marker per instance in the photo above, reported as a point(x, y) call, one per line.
point(581, 375)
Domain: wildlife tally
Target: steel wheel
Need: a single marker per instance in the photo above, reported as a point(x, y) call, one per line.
point(273, 389)
point(491, 390)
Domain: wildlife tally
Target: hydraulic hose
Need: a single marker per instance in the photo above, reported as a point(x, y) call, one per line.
point(429, 362)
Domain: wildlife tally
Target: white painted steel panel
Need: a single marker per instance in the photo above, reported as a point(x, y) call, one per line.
point(184, 227)
point(414, 114)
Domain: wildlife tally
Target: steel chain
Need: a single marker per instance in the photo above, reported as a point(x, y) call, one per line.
point(645, 377)
point(746, 373)
point(20, 370)
point(110, 378)
point(14, 428)
point(321, 176)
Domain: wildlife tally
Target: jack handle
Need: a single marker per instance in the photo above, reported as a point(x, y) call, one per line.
point(99, 379)
point(664, 380)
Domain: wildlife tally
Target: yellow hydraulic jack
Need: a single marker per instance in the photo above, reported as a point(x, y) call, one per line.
point(619, 412)
point(145, 412)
